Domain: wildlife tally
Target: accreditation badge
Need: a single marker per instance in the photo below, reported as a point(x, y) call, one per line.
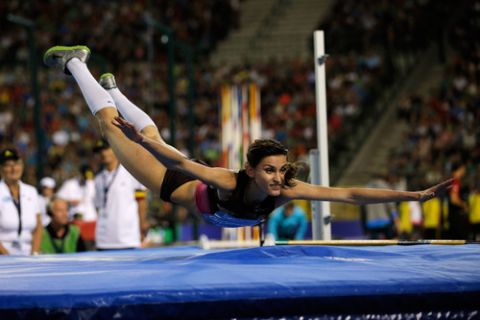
point(17, 245)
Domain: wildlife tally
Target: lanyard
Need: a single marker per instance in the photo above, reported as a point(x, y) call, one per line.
point(19, 209)
point(107, 185)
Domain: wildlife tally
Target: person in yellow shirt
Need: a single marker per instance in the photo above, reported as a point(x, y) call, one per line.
point(410, 220)
point(474, 214)
point(432, 210)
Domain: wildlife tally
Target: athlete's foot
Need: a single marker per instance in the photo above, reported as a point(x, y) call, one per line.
point(107, 81)
point(59, 56)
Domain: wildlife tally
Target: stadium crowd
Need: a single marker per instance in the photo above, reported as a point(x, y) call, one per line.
point(376, 40)
point(443, 132)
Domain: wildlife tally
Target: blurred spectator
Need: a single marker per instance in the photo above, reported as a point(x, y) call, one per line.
point(20, 217)
point(288, 222)
point(162, 222)
point(381, 220)
point(59, 236)
point(457, 207)
point(432, 218)
point(411, 212)
point(47, 190)
point(79, 191)
point(474, 216)
point(121, 204)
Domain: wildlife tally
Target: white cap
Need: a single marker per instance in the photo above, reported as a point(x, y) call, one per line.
point(47, 182)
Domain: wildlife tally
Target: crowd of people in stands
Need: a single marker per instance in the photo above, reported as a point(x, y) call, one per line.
point(443, 136)
point(365, 42)
point(121, 32)
point(356, 76)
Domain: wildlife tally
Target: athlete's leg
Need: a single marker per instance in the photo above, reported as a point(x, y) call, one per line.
point(142, 122)
point(136, 159)
point(132, 113)
point(143, 166)
point(141, 163)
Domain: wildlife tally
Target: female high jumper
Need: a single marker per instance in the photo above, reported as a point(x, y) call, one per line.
point(245, 197)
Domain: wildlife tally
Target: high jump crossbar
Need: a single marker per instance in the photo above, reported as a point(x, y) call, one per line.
point(372, 242)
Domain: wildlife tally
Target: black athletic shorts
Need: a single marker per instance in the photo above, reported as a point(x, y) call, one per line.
point(172, 180)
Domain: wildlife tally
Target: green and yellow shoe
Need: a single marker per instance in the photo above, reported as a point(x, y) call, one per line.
point(58, 56)
point(107, 81)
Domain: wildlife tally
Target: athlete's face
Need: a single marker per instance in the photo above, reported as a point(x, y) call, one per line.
point(269, 174)
point(12, 170)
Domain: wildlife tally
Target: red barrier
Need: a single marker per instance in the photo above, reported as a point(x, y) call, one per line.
point(87, 229)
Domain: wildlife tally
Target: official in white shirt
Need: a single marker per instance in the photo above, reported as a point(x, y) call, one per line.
point(121, 204)
point(79, 191)
point(20, 217)
point(47, 190)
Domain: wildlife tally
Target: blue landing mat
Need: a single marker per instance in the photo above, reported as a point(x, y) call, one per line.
point(186, 282)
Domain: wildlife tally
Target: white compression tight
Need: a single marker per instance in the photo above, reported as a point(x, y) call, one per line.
point(130, 111)
point(95, 96)
point(98, 98)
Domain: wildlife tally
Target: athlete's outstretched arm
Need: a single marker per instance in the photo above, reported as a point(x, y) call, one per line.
point(361, 196)
point(173, 159)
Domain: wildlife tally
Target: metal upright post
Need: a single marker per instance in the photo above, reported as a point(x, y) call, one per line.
point(321, 224)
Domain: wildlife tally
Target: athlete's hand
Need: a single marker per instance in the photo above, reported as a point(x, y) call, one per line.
point(435, 191)
point(128, 129)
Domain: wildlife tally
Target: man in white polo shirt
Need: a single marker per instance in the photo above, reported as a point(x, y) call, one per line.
point(121, 204)
point(79, 191)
